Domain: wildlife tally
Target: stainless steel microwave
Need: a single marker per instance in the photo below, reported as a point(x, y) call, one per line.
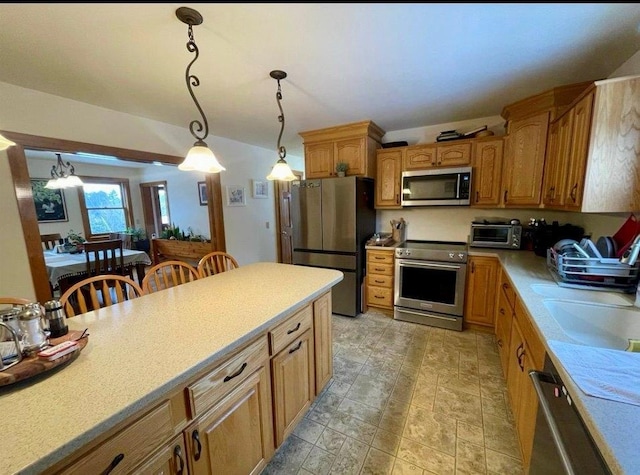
point(436, 187)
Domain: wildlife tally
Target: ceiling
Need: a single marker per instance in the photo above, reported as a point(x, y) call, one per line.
point(401, 65)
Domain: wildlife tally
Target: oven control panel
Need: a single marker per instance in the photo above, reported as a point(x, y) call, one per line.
point(440, 256)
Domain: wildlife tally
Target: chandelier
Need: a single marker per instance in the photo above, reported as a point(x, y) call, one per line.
point(200, 157)
point(63, 176)
point(281, 170)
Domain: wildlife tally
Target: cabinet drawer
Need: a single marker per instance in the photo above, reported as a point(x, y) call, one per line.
point(380, 280)
point(131, 445)
point(211, 388)
point(290, 329)
point(379, 296)
point(376, 257)
point(376, 268)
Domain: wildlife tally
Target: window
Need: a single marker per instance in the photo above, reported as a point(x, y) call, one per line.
point(105, 205)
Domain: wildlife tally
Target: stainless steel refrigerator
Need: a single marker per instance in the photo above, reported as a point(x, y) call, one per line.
point(332, 219)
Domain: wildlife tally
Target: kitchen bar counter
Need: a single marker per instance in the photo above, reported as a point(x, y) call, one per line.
point(613, 425)
point(141, 350)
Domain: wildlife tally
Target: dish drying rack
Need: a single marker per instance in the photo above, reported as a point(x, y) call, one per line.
point(592, 273)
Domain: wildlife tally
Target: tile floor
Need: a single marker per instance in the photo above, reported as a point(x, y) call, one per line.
point(405, 399)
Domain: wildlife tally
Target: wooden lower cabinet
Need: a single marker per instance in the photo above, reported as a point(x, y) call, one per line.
point(235, 437)
point(379, 280)
point(482, 273)
point(169, 460)
point(293, 384)
point(504, 320)
point(322, 331)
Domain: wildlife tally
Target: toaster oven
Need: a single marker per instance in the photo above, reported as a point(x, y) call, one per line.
point(500, 236)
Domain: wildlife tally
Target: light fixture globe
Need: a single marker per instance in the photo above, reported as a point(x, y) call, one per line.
point(5, 143)
point(281, 171)
point(201, 158)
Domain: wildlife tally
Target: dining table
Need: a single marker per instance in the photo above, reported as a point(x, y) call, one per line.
point(61, 266)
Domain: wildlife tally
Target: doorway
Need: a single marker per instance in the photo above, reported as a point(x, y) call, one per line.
point(155, 207)
point(283, 218)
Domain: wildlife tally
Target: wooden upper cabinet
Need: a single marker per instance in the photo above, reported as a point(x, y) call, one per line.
point(524, 160)
point(389, 177)
point(487, 172)
point(581, 115)
point(318, 158)
point(556, 162)
point(420, 157)
point(354, 144)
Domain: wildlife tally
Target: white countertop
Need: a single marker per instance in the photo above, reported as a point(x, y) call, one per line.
point(613, 425)
point(141, 349)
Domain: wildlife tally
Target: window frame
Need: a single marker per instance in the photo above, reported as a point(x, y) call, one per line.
point(126, 203)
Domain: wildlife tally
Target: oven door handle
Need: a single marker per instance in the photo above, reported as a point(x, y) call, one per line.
point(406, 263)
point(430, 315)
point(536, 376)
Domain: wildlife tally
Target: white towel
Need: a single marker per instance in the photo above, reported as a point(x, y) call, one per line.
point(600, 372)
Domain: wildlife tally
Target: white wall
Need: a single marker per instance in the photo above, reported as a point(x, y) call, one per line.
point(32, 112)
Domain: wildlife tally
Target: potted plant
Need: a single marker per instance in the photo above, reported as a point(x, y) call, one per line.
point(341, 168)
point(73, 243)
point(139, 239)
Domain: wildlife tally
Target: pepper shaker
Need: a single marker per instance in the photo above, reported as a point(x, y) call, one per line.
point(56, 316)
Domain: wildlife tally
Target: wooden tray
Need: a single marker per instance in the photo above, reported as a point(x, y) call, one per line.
point(32, 366)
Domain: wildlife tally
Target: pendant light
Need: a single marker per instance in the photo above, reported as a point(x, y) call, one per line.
point(63, 176)
point(281, 170)
point(5, 143)
point(200, 157)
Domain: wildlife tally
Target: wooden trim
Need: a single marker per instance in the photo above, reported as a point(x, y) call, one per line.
point(545, 101)
point(26, 209)
point(365, 127)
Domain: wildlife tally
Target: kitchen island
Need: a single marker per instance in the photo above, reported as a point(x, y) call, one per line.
point(612, 425)
point(160, 354)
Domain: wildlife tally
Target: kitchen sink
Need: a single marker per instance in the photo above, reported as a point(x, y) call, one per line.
point(591, 296)
point(596, 325)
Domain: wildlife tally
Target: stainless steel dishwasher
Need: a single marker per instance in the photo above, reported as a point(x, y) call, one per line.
point(562, 444)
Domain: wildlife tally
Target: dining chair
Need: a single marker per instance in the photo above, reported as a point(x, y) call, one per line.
point(50, 241)
point(168, 274)
point(216, 262)
point(13, 301)
point(124, 237)
point(98, 292)
point(104, 257)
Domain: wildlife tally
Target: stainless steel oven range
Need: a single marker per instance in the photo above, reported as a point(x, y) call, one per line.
point(430, 283)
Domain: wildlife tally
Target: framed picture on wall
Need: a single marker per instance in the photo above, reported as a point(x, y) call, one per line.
point(236, 196)
point(50, 204)
point(260, 188)
point(202, 193)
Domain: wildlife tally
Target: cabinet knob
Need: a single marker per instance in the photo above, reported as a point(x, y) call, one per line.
point(477, 196)
point(574, 192)
point(506, 192)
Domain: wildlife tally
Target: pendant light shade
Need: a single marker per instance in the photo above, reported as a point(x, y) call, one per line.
point(5, 143)
point(63, 176)
point(281, 170)
point(200, 157)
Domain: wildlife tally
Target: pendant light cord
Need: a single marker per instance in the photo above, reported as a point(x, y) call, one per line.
point(195, 126)
point(282, 152)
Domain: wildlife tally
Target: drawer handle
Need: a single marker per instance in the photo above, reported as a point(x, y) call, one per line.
point(236, 374)
point(502, 311)
point(294, 329)
point(379, 258)
point(293, 350)
point(500, 343)
point(114, 463)
point(379, 281)
point(196, 438)
point(379, 270)
point(177, 455)
point(520, 355)
point(379, 297)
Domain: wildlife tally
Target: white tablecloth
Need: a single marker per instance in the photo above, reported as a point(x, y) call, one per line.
point(60, 266)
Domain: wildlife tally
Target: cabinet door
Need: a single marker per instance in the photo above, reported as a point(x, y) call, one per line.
point(293, 384)
point(515, 374)
point(169, 460)
point(237, 433)
point(322, 329)
point(574, 187)
point(389, 176)
point(453, 155)
point(351, 151)
point(504, 317)
point(487, 172)
point(524, 162)
point(526, 421)
point(481, 290)
point(557, 160)
point(419, 157)
point(318, 160)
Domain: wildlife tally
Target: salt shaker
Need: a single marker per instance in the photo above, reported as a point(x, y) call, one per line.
point(56, 317)
point(34, 337)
